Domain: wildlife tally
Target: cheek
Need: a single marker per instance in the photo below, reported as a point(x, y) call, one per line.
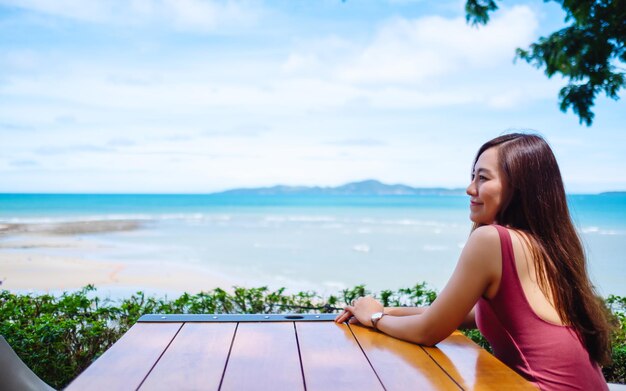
point(493, 195)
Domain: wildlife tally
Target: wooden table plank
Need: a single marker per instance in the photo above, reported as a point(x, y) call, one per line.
point(473, 367)
point(195, 360)
point(401, 365)
point(333, 360)
point(264, 356)
point(128, 361)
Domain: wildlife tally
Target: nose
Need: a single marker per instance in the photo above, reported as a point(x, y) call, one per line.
point(471, 189)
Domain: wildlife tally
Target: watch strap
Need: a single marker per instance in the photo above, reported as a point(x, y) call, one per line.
point(376, 317)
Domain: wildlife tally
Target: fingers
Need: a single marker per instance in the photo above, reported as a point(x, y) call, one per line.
point(345, 315)
point(354, 321)
point(342, 317)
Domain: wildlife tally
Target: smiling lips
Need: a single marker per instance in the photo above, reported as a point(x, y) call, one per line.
point(474, 203)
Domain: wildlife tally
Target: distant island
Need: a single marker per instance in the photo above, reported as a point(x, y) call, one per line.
point(366, 187)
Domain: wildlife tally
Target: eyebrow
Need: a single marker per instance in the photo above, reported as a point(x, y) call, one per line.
point(485, 170)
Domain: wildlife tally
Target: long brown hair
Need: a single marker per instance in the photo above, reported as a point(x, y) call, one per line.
point(536, 205)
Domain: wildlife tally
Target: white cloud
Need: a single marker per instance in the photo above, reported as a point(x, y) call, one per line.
point(88, 11)
point(385, 100)
point(444, 56)
point(409, 51)
point(192, 15)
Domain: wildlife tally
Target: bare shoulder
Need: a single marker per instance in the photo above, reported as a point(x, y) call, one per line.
point(483, 250)
point(485, 237)
point(483, 253)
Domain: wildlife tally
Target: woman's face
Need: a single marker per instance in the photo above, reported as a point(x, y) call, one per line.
point(486, 190)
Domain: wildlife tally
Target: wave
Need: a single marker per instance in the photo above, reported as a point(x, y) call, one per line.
point(361, 248)
point(600, 231)
point(72, 228)
point(300, 219)
point(116, 217)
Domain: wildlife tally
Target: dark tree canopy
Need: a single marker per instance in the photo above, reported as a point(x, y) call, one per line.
point(590, 52)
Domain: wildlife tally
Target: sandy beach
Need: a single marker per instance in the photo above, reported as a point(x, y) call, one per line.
point(51, 273)
point(38, 257)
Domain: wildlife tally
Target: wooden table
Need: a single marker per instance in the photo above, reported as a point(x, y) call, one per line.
point(286, 352)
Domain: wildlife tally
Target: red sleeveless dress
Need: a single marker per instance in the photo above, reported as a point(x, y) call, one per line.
point(548, 355)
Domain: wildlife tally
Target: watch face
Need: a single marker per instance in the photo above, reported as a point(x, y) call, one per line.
point(377, 315)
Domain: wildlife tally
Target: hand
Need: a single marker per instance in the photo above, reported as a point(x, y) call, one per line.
point(362, 310)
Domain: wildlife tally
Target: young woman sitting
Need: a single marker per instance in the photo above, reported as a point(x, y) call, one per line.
point(521, 277)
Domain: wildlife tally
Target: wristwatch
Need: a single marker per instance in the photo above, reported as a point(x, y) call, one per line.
point(376, 316)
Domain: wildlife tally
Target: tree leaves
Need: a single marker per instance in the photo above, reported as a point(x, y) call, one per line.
point(588, 52)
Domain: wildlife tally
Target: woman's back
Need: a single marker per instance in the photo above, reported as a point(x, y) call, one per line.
point(541, 350)
point(539, 300)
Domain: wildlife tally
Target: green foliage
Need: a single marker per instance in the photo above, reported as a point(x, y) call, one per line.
point(417, 296)
point(616, 372)
point(477, 337)
point(586, 52)
point(477, 11)
point(59, 336)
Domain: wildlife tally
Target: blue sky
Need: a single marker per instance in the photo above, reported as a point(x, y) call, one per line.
point(184, 96)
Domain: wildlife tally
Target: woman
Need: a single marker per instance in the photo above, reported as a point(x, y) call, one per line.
point(521, 277)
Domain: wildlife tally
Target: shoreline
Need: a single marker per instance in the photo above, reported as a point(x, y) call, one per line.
point(25, 272)
point(49, 257)
point(123, 256)
point(70, 228)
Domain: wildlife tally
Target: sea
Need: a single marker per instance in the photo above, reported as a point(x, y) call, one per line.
point(323, 243)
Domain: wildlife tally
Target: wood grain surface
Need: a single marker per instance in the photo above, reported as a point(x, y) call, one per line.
point(473, 367)
point(401, 365)
point(125, 365)
point(264, 356)
point(333, 360)
point(195, 360)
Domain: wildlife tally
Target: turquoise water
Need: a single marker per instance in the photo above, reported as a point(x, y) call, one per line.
point(306, 242)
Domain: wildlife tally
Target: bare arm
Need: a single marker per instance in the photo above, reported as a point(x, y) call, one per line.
point(479, 267)
point(470, 320)
point(404, 311)
point(468, 323)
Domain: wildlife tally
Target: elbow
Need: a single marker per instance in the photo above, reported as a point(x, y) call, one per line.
point(426, 337)
point(416, 329)
point(429, 340)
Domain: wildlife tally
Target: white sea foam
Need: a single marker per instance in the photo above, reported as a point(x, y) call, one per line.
point(75, 219)
point(600, 231)
point(283, 246)
point(362, 248)
point(300, 218)
point(413, 222)
point(610, 232)
point(332, 226)
point(117, 217)
point(434, 248)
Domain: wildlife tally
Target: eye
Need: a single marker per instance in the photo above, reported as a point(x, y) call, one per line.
point(482, 177)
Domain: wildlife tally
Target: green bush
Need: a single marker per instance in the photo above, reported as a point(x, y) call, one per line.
point(616, 372)
point(59, 336)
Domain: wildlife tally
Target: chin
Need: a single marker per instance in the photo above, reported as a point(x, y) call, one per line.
point(481, 221)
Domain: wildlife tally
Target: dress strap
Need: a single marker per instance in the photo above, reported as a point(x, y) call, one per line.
point(506, 244)
point(509, 280)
